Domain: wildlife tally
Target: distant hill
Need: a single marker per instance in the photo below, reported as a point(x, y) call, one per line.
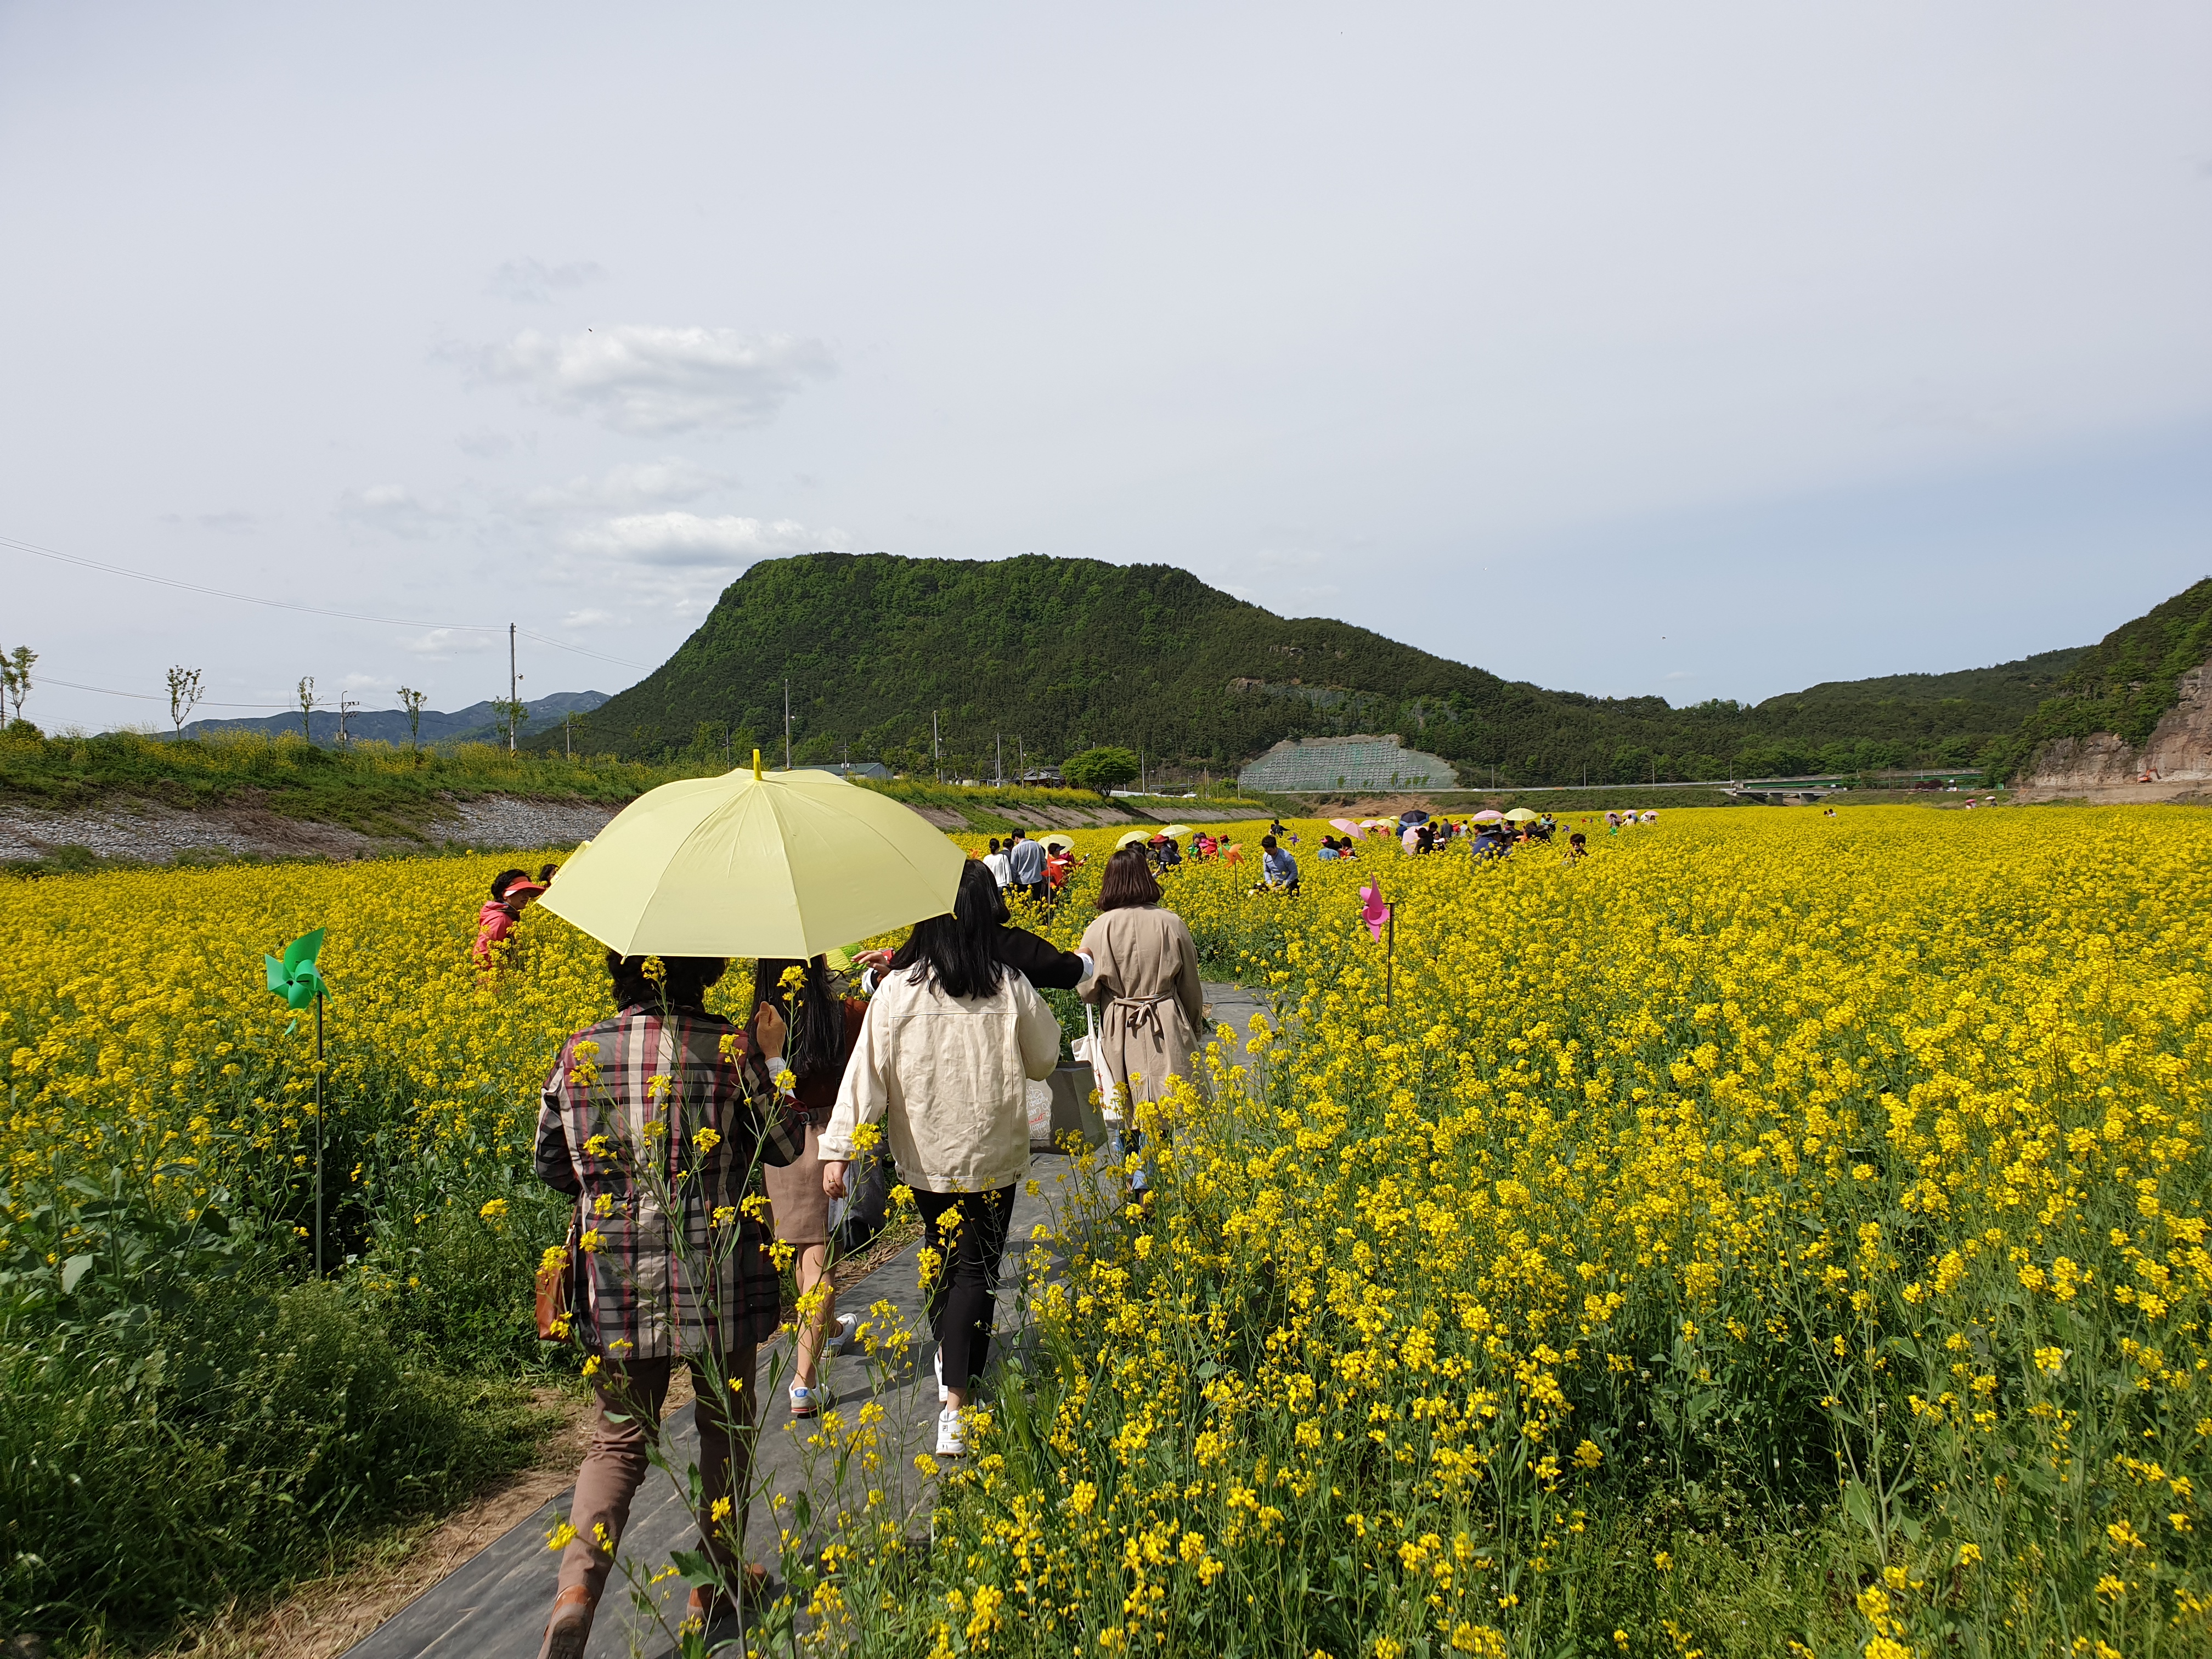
point(478, 723)
point(1923, 710)
point(1059, 654)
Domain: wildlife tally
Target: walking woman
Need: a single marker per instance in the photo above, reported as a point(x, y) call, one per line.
point(1145, 984)
point(824, 1027)
point(952, 1039)
point(653, 1119)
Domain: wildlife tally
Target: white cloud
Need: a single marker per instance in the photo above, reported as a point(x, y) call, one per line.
point(642, 483)
point(533, 282)
point(394, 509)
point(590, 619)
point(451, 642)
point(647, 377)
point(681, 539)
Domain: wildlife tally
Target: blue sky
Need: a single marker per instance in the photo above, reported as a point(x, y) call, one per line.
point(1705, 352)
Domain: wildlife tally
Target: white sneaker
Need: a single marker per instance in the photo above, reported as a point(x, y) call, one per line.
point(840, 1333)
point(808, 1402)
point(950, 1442)
point(943, 1393)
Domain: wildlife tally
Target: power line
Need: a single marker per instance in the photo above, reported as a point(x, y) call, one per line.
point(60, 557)
point(150, 697)
point(559, 646)
point(244, 599)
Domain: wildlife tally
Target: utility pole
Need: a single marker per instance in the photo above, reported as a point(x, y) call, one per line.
point(936, 747)
point(998, 743)
point(786, 724)
point(1021, 761)
point(513, 679)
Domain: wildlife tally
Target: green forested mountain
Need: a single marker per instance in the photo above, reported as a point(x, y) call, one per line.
point(1060, 654)
point(2128, 679)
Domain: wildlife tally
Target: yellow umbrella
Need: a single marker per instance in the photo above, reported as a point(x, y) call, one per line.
point(1177, 830)
point(792, 865)
point(1520, 814)
point(1134, 838)
point(1056, 842)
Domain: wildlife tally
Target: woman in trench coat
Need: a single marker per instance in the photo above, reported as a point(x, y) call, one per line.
point(1153, 1011)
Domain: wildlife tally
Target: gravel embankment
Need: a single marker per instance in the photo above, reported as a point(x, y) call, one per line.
point(152, 833)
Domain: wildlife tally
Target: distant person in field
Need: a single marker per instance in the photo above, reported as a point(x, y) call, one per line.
point(1026, 860)
point(511, 893)
point(998, 864)
point(546, 873)
point(1278, 869)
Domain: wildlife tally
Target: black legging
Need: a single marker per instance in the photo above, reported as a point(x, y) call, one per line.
point(969, 1232)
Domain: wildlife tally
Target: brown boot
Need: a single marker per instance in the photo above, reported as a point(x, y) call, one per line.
point(711, 1607)
point(570, 1626)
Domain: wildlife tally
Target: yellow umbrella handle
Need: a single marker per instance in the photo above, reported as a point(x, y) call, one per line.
point(757, 772)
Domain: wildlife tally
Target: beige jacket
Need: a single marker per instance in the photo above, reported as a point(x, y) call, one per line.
point(951, 1076)
point(1153, 1010)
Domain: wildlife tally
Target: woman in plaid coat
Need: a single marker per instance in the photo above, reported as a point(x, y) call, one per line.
point(655, 1120)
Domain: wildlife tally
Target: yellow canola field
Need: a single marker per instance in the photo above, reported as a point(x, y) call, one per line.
point(1856, 1162)
point(145, 1057)
point(1859, 1161)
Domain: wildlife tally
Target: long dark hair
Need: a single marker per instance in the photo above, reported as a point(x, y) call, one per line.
point(956, 948)
point(684, 986)
point(817, 1042)
point(1128, 881)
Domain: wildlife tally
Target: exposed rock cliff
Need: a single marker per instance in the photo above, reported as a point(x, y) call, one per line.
point(2175, 763)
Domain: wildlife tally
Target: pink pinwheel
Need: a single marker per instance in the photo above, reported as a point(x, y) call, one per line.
point(1376, 913)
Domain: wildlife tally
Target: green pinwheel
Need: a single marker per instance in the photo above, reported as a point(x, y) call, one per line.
point(294, 976)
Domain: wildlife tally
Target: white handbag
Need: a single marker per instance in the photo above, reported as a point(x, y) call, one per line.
point(1091, 1053)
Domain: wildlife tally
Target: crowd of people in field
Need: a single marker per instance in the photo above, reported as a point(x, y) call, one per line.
point(916, 1059)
